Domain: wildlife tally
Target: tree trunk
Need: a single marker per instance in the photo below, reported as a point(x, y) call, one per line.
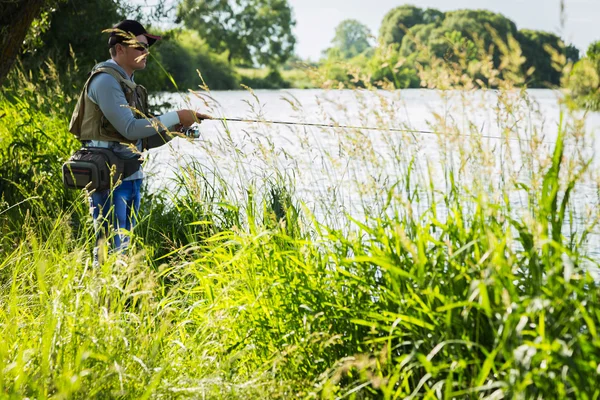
point(16, 17)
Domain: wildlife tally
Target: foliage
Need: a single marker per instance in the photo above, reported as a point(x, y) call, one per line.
point(74, 51)
point(271, 80)
point(34, 142)
point(57, 35)
point(290, 76)
point(469, 39)
point(467, 28)
point(390, 68)
point(351, 39)
point(399, 19)
point(255, 32)
point(465, 38)
point(64, 37)
point(593, 51)
point(535, 46)
point(583, 82)
point(441, 287)
point(299, 77)
point(16, 16)
point(182, 61)
point(181, 57)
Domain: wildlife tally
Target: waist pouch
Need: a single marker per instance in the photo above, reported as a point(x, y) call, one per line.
point(97, 168)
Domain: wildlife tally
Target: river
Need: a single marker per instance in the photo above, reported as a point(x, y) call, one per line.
point(336, 170)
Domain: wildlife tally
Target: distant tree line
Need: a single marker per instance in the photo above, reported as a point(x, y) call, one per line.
point(410, 35)
point(219, 38)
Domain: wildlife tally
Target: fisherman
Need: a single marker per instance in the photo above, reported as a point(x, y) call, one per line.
point(112, 113)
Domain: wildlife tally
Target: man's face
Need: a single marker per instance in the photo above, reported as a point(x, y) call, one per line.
point(135, 56)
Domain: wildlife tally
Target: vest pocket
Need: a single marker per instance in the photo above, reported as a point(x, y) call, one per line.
point(107, 130)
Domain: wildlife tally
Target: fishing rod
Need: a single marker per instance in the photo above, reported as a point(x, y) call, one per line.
point(193, 132)
point(313, 124)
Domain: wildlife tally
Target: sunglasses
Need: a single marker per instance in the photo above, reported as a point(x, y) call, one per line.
point(141, 46)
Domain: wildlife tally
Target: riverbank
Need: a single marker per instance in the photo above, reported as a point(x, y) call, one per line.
point(263, 78)
point(441, 287)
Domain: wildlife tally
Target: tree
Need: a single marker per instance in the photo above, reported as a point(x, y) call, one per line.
point(59, 27)
point(593, 51)
point(15, 19)
point(65, 34)
point(472, 24)
point(351, 38)
point(584, 84)
point(459, 32)
point(417, 34)
point(584, 80)
point(253, 31)
point(181, 54)
point(433, 16)
point(397, 21)
point(534, 46)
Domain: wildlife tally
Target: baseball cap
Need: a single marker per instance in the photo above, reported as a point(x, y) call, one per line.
point(133, 27)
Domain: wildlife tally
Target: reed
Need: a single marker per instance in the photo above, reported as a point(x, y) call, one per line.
point(460, 269)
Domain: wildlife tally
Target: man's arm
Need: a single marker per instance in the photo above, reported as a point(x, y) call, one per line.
point(105, 91)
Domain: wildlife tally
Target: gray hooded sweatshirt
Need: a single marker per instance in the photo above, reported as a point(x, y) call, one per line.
point(106, 92)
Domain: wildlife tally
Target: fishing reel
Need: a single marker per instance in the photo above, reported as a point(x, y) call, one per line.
point(192, 132)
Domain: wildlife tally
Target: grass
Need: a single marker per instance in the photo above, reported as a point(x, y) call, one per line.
point(442, 286)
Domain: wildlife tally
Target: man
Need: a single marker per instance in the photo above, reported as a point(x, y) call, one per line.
point(112, 112)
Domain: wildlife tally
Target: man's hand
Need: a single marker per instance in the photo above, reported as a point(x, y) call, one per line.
point(189, 117)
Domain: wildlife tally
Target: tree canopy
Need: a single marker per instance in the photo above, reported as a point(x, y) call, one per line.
point(593, 51)
point(65, 36)
point(584, 80)
point(462, 27)
point(470, 31)
point(535, 45)
point(15, 19)
point(255, 32)
point(396, 21)
point(250, 33)
point(182, 54)
point(351, 38)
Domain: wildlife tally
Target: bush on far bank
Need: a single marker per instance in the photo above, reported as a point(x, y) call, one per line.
point(583, 81)
point(176, 60)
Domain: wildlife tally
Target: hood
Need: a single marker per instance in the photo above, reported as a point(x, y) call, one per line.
point(113, 65)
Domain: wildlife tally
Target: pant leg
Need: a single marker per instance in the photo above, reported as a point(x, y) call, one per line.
point(122, 196)
point(135, 202)
point(100, 208)
point(116, 209)
point(127, 204)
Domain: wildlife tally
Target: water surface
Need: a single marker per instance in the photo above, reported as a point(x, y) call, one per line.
point(338, 171)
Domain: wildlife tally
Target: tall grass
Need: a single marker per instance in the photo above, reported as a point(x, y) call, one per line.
point(461, 269)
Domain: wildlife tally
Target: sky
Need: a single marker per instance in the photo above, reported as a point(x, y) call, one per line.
point(316, 19)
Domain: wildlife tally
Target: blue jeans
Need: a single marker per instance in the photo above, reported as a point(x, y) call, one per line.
point(117, 208)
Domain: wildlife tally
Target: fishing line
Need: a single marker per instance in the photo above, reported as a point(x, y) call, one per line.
point(332, 126)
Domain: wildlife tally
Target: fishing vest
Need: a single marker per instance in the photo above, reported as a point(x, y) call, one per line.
point(88, 122)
